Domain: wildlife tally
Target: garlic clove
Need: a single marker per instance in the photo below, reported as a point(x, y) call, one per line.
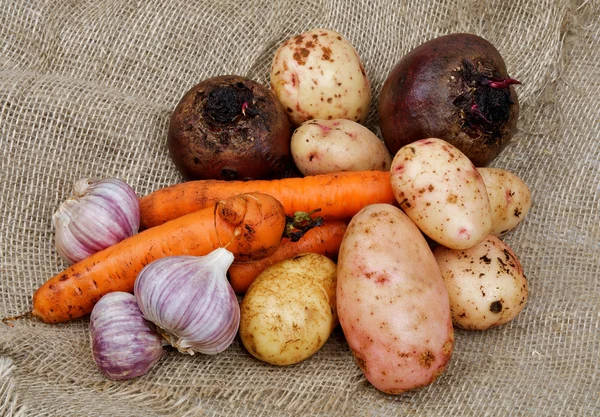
point(100, 213)
point(124, 344)
point(191, 301)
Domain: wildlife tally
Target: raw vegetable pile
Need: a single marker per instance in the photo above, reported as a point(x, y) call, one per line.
point(294, 206)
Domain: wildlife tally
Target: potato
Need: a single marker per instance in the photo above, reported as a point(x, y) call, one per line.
point(319, 75)
point(324, 146)
point(289, 311)
point(392, 302)
point(439, 188)
point(486, 284)
point(510, 198)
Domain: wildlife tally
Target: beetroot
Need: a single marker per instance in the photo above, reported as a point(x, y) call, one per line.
point(454, 88)
point(230, 128)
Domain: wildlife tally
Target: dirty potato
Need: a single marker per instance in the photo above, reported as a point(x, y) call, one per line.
point(392, 301)
point(319, 75)
point(510, 199)
point(325, 146)
point(289, 311)
point(439, 188)
point(486, 284)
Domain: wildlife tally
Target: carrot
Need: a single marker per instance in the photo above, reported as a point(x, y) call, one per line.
point(251, 224)
point(339, 195)
point(324, 240)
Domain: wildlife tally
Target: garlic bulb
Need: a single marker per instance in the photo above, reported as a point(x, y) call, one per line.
point(124, 344)
point(191, 301)
point(99, 214)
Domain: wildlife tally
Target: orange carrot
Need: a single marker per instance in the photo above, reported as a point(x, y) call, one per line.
point(339, 195)
point(325, 240)
point(251, 225)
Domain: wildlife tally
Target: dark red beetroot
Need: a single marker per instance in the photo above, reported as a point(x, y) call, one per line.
point(454, 88)
point(230, 128)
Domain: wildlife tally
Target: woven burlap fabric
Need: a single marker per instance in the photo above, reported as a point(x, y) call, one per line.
point(87, 88)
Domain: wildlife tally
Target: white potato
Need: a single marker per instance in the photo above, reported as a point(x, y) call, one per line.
point(392, 301)
point(439, 188)
point(324, 146)
point(486, 283)
point(510, 198)
point(289, 311)
point(319, 75)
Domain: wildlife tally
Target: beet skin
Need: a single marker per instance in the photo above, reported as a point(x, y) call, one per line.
point(230, 128)
point(454, 88)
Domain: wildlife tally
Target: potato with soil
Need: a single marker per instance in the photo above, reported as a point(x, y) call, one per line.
point(510, 198)
point(442, 192)
point(486, 284)
point(230, 128)
point(319, 75)
point(454, 87)
point(392, 302)
point(325, 146)
point(289, 311)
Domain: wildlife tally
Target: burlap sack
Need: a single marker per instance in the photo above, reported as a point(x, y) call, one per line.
point(86, 89)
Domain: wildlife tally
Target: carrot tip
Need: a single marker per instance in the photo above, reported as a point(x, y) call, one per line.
point(7, 320)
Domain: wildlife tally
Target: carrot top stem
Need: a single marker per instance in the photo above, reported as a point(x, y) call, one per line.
point(300, 223)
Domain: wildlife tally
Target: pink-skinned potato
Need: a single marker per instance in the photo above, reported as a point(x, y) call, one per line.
point(392, 302)
point(442, 192)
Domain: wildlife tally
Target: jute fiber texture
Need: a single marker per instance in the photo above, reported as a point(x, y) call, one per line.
point(87, 89)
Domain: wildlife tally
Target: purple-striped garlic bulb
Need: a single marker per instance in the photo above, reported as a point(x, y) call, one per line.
point(124, 344)
point(191, 301)
point(100, 213)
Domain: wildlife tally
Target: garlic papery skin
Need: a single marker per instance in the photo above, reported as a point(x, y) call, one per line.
point(124, 344)
point(100, 213)
point(191, 301)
